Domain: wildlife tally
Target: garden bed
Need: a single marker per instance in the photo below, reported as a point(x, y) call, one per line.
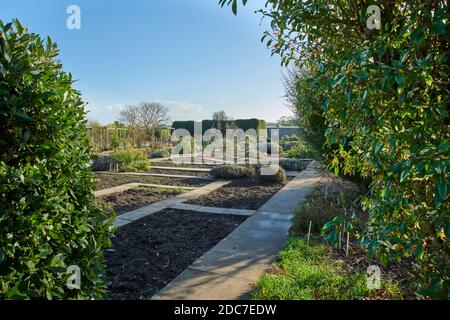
point(247, 193)
point(147, 254)
point(180, 172)
point(133, 199)
point(105, 180)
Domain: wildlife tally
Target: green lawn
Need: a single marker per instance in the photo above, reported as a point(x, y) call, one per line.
point(309, 272)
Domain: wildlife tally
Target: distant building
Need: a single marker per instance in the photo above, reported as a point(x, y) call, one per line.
point(283, 131)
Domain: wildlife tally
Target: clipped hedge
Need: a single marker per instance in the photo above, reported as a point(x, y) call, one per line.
point(232, 172)
point(47, 218)
point(243, 124)
point(274, 174)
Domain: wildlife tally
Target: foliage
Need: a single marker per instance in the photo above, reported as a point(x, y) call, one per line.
point(292, 138)
point(309, 272)
point(47, 220)
point(385, 107)
point(302, 150)
point(160, 153)
point(331, 199)
point(232, 172)
point(306, 102)
point(270, 148)
point(132, 160)
point(274, 174)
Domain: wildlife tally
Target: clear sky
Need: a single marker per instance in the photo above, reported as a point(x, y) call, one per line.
point(191, 55)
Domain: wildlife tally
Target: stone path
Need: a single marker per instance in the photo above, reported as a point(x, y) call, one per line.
point(182, 169)
point(157, 175)
point(229, 270)
point(128, 217)
point(205, 209)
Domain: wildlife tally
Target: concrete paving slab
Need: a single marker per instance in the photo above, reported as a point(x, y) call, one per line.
point(244, 265)
point(199, 284)
point(257, 222)
point(275, 215)
point(246, 240)
point(182, 169)
point(239, 212)
point(118, 222)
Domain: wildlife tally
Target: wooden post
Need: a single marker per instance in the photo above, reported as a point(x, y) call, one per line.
point(309, 232)
point(348, 240)
point(340, 240)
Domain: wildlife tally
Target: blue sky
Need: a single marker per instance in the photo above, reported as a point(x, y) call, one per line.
point(191, 55)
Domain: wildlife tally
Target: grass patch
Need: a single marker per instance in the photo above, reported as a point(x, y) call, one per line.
point(311, 272)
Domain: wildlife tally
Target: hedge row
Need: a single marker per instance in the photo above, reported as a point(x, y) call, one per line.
point(244, 124)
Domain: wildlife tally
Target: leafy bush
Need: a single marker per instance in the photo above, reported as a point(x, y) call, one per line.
point(272, 173)
point(270, 148)
point(382, 98)
point(47, 220)
point(103, 162)
point(302, 150)
point(292, 138)
point(232, 172)
point(293, 164)
point(160, 153)
point(324, 204)
point(132, 160)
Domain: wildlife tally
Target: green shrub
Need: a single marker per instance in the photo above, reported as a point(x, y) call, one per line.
point(160, 153)
point(322, 206)
point(270, 148)
point(47, 220)
point(132, 160)
point(232, 172)
point(382, 105)
point(292, 138)
point(302, 150)
point(273, 174)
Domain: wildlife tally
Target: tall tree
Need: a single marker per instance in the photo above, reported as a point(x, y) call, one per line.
point(149, 116)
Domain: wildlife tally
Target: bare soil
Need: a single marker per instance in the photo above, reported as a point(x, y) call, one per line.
point(134, 199)
point(247, 193)
point(105, 180)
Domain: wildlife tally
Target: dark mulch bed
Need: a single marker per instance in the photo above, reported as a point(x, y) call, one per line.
point(147, 254)
point(180, 172)
point(240, 194)
point(105, 180)
point(133, 199)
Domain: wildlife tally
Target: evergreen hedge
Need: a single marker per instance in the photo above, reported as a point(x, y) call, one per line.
point(47, 219)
